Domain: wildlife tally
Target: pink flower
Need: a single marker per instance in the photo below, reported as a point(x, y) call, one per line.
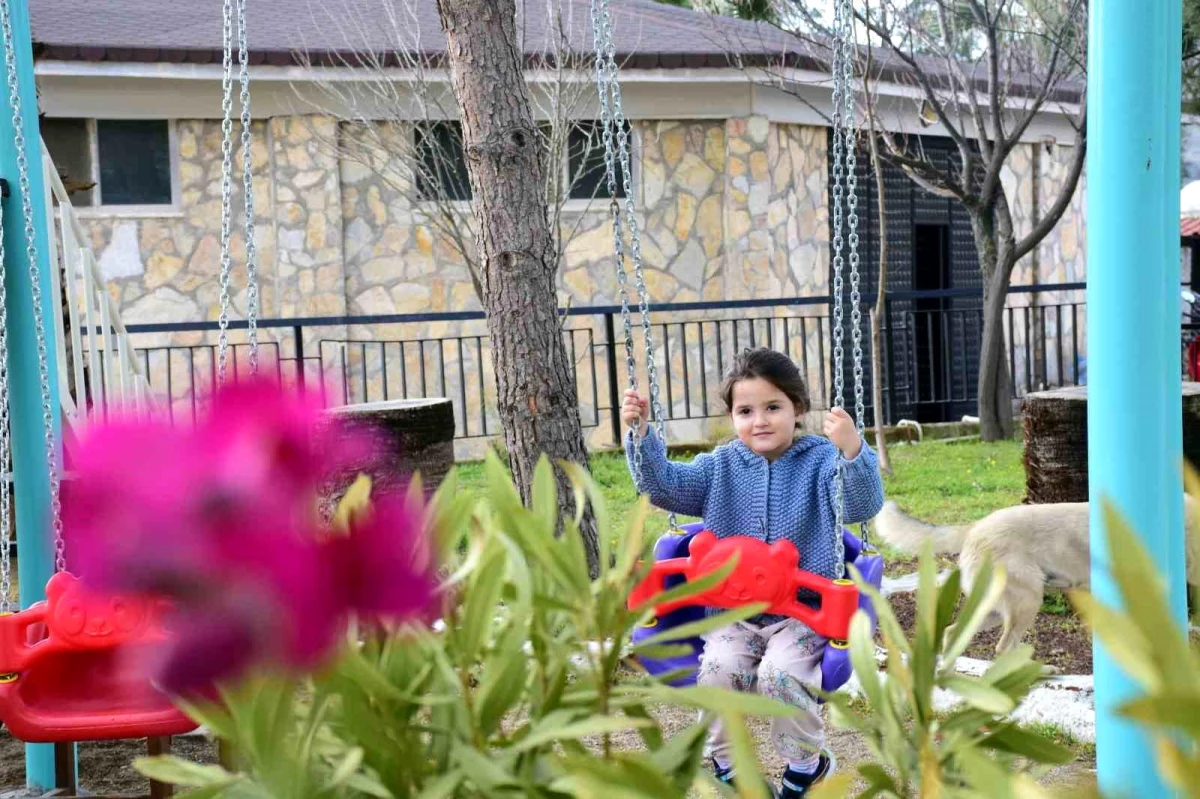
point(222, 521)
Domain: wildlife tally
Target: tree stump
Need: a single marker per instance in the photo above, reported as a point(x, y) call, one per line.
point(418, 436)
point(1056, 452)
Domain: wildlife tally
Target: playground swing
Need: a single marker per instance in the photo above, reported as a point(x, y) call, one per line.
point(765, 572)
point(64, 674)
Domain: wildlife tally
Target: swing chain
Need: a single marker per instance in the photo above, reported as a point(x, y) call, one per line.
point(226, 184)
point(841, 142)
point(6, 599)
point(613, 118)
point(35, 286)
point(852, 224)
point(248, 192)
point(618, 234)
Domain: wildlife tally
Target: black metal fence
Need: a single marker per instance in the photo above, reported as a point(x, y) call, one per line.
point(929, 364)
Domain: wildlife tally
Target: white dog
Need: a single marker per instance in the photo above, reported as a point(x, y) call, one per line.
point(1039, 546)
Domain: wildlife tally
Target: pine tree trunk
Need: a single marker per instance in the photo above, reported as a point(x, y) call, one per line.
point(536, 393)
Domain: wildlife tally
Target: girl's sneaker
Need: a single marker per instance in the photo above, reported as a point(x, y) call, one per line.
point(726, 777)
point(796, 785)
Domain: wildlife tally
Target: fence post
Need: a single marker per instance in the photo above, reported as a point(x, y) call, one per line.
point(614, 399)
point(298, 338)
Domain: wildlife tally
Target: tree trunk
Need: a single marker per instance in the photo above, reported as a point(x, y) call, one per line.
point(993, 243)
point(880, 312)
point(536, 395)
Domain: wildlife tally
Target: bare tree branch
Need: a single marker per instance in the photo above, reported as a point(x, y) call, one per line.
point(402, 92)
point(1066, 193)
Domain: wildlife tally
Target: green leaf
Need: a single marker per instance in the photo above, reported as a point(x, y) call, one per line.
point(682, 752)
point(704, 625)
point(661, 652)
point(635, 533)
point(1026, 743)
point(444, 786)
point(745, 759)
point(368, 784)
point(1008, 664)
point(692, 588)
point(504, 680)
point(581, 729)
point(948, 597)
point(482, 598)
point(878, 778)
point(631, 776)
point(980, 695)
point(862, 657)
point(715, 699)
point(484, 770)
point(1144, 592)
point(349, 764)
point(985, 593)
point(1179, 770)
point(1123, 639)
point(173, 770)
point(545, 499)
point(1169, 709)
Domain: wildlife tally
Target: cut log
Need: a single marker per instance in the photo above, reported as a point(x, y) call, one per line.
point(1056, 451)
point(418, 436)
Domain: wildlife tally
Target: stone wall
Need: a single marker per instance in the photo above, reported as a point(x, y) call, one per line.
point(728, 210)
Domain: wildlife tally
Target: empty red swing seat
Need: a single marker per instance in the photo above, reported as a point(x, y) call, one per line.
point(69, 668)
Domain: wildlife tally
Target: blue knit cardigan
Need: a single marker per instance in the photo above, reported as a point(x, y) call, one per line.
point(738, 492)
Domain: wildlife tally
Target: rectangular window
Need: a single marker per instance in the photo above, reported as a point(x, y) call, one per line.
point(587, 175)
point(135, 162)
point(441, 162)
point(71, 148)
point(113, 163)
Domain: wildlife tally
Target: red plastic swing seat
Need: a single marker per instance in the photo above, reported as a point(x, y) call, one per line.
point(768, 573)
point(66, 666)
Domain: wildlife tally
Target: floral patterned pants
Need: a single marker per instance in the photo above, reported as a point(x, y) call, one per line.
point(780, 660)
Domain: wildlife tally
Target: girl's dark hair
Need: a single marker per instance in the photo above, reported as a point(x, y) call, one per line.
point(772, 366)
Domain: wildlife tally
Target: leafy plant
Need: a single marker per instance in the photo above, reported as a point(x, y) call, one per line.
point(971, 751)
point(521, 690)
point(1158, 657)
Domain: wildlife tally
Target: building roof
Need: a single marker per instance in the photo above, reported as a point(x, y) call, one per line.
point(647, 34)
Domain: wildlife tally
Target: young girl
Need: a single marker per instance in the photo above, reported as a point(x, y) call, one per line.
point(768, 484)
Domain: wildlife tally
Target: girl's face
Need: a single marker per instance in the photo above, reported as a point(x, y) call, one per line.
point(763, 416)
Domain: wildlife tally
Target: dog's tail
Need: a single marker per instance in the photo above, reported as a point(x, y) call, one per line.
point(907, 534)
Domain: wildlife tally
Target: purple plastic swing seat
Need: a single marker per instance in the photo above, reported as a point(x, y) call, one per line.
point(835, 663)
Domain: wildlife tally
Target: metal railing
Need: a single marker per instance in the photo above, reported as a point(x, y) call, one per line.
point(930, 356)
point(98, 369)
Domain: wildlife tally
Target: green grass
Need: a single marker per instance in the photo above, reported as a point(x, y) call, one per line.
point(955, 482)
point(942, 482)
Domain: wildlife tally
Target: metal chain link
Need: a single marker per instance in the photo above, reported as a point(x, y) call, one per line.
point(850, 134)
point(615, 210)
point(7, 602)
point(841, 88)
point(226, 185)
point(35, 285)
point(607, 69)
point(248, 191)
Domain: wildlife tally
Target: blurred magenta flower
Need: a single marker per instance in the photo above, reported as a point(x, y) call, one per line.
point(222, 520)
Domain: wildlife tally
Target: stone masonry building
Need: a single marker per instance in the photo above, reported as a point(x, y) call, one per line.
point(731, 180)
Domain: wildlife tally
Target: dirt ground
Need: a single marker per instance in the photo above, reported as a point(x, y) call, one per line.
point(104, 767)
point(1059, 639)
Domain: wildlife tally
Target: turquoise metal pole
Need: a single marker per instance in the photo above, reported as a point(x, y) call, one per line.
point(30, 472)
point(1134, 381)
